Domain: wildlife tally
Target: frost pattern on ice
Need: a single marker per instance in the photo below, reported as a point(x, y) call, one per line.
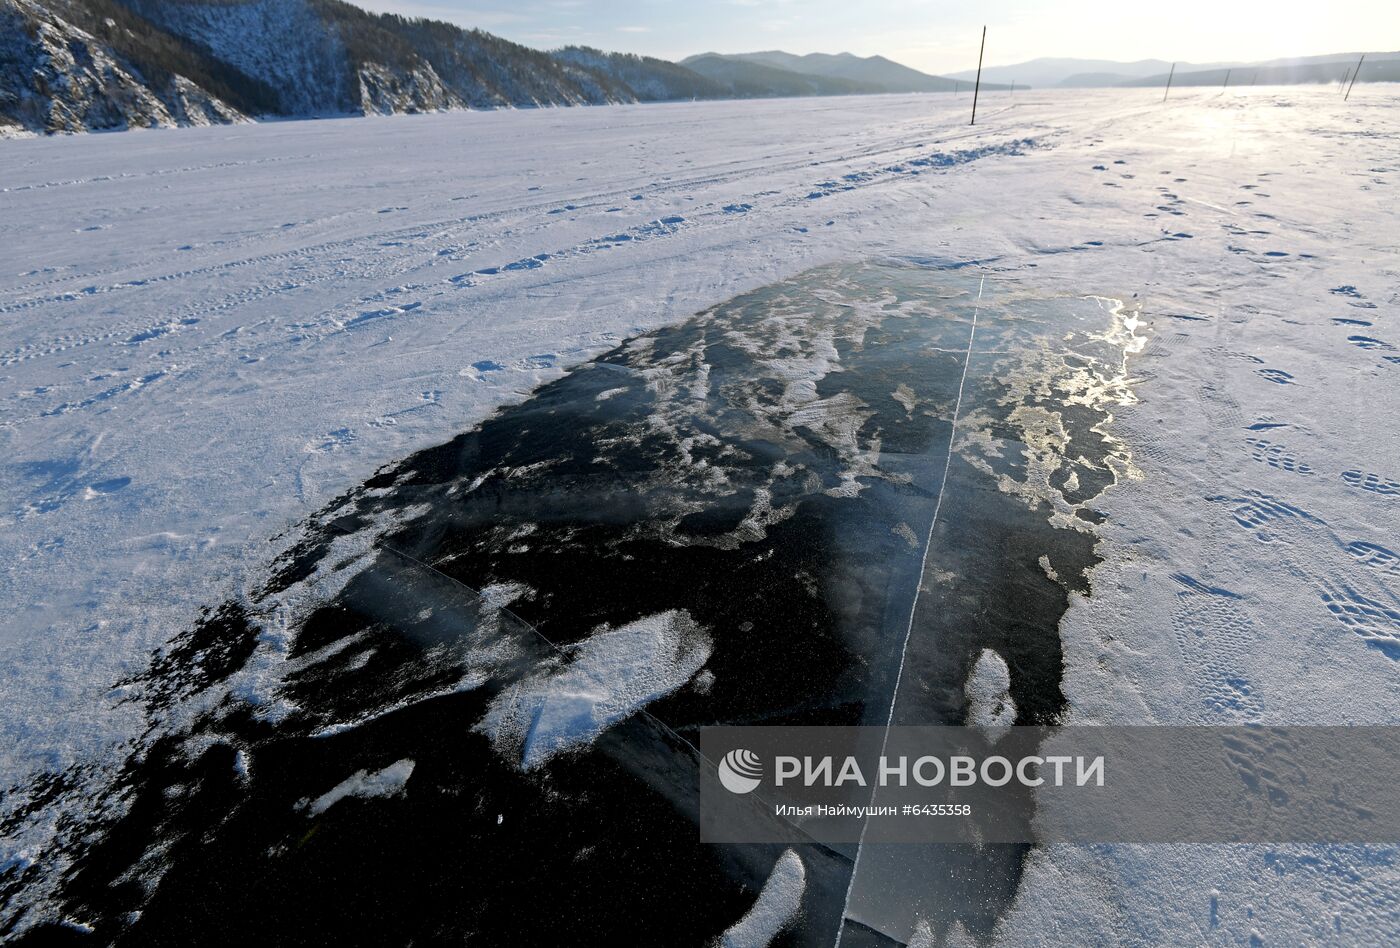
point(608, 678)
point(388, 782)
point(776, 907)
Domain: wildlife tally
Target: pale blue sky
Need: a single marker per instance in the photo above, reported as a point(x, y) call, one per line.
point(935, 36)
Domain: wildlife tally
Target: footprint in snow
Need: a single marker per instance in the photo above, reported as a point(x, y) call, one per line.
point(1376, 622)
point(1374, 483)
point(1277, 456)
point(1369, 342)
point(1374, 556)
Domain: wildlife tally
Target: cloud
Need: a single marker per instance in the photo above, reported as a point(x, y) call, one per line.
point(634, 29)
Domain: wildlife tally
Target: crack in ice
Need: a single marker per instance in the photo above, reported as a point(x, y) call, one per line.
point(913, 608)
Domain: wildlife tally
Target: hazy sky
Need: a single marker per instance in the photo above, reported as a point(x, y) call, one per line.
point(936, 36)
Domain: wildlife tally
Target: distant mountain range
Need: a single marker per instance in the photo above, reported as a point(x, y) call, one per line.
point(79, 65)
point(74, 65)
point(1046, 72)
point(859, 74)
point(744, 78)
point(1101, 73)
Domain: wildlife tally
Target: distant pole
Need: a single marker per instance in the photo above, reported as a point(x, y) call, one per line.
point(977, 88)
point(1013, 87)
point(1227, 82)
point(956, 90)
point(1353, 76)
point(1169, 82)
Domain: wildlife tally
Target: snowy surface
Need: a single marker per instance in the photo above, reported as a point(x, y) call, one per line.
point(206, 334)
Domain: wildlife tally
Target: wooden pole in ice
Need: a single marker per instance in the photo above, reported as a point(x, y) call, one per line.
point(1169, 82)
point(978, 87)
point(1353, 76)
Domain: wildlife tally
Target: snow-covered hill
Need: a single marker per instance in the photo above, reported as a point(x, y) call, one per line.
point(1046, 72)
point(873, 70)
point(57, 76)
point(651, 80)
point(79, 65)
point(104, 64)
point(283, 42)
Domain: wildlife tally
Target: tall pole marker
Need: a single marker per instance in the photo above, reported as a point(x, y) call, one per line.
point(978, 87)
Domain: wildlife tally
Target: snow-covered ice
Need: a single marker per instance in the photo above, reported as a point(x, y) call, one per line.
point(363, 783)
point(206, 334)
point(609, 676)
point(775, 908)
point(990, 705)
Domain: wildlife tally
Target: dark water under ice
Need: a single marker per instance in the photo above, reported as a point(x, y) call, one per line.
point(724, 522)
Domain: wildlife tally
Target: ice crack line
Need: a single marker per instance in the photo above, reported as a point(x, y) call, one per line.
point(913, 608)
